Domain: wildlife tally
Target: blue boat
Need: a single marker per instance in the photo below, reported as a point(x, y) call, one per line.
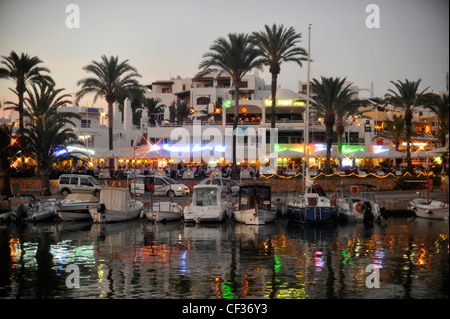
point(311, 215)
point(312, 208)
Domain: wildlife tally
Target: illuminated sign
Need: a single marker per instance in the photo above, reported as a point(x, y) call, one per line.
point(281, 102)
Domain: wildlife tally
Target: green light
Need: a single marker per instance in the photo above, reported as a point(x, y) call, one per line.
point(226, 103)
point(352, 148)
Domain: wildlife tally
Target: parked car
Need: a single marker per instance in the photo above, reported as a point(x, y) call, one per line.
point(222, 182)
point(161, 185)
point(76, 183)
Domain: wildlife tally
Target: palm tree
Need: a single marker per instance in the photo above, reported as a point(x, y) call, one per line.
point(344, 111)
point(153, 107)
point(8, 150)
point(236, 56)
point(23, 70)
point(439, 105)
point(330, 95)
point(279, 45)
point(111, 78)
point(395, 130)
point(47, 130)
point(182, 110)
point(407, 97)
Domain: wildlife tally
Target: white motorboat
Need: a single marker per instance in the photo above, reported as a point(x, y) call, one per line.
point(431, 209)
point(164, 211)
point(358, 203)
point(116, 205)
point(76, 206)
point(254, 206)
point(209, 204)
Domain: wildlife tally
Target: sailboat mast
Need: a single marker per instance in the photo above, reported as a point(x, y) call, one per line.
point(306, 176)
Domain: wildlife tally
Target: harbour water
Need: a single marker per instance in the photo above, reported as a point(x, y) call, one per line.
point(142, 260)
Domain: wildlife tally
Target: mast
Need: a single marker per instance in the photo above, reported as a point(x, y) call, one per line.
point(306, 176)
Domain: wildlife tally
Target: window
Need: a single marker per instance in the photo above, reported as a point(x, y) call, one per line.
point(64, 180)
point(74, 181)
point(203, 100)
point(85, 123)
point(85, 182)
point(160, 181)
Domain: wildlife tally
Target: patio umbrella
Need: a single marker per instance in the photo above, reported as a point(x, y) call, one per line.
point(361, 154)
point(291, 154)
point(423, 154)
point(389, 154)
point(443, 149)
point(323, 153)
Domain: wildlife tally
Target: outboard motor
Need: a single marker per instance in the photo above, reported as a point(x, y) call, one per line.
point(102, 209)
point(20, 214)
point(368, 216)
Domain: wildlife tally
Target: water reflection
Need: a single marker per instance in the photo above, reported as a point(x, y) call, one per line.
point(139, 259)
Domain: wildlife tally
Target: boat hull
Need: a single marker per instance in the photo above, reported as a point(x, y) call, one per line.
point(111, 216)
point(434, 210)
point(311, 215)
point(161, 212)
point(204, 214)
point(254, 216)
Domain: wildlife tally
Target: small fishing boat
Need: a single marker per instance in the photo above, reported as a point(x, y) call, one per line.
point(209, 204)
point(164, 212)
point(76, 206)
point(116, 205)
point(254, 206)
point(431, 209)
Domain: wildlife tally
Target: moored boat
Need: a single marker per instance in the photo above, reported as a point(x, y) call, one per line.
point(358, 203)
point(164, 211)
point(430, 209)
point(254, 206)
point(76, 206)
point(209, 204)
point(116, 205)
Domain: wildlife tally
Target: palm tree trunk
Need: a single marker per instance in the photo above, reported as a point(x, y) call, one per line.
point(20, 94)
point(4, 176)
point(329, 129)
point(45, 181)
point(237, 85)
point(274, 99)
point(110, 124)
point(408, 125)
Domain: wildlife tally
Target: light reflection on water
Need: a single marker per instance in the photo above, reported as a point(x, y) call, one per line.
point(139, 259)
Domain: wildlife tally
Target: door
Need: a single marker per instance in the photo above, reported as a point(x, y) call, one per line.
point(161, 186)
point(74, 187)
point(86, 185)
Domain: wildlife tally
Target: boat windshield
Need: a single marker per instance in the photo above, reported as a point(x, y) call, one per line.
point(368, 196)
point(206, 197)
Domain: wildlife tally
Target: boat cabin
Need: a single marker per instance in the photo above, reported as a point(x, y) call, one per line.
point(255, 195)
point(207, 195)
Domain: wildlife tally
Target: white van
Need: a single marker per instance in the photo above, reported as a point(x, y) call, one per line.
point(161, 185)
point(75, 183)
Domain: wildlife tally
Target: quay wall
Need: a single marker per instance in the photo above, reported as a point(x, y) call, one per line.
point(279, 185)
